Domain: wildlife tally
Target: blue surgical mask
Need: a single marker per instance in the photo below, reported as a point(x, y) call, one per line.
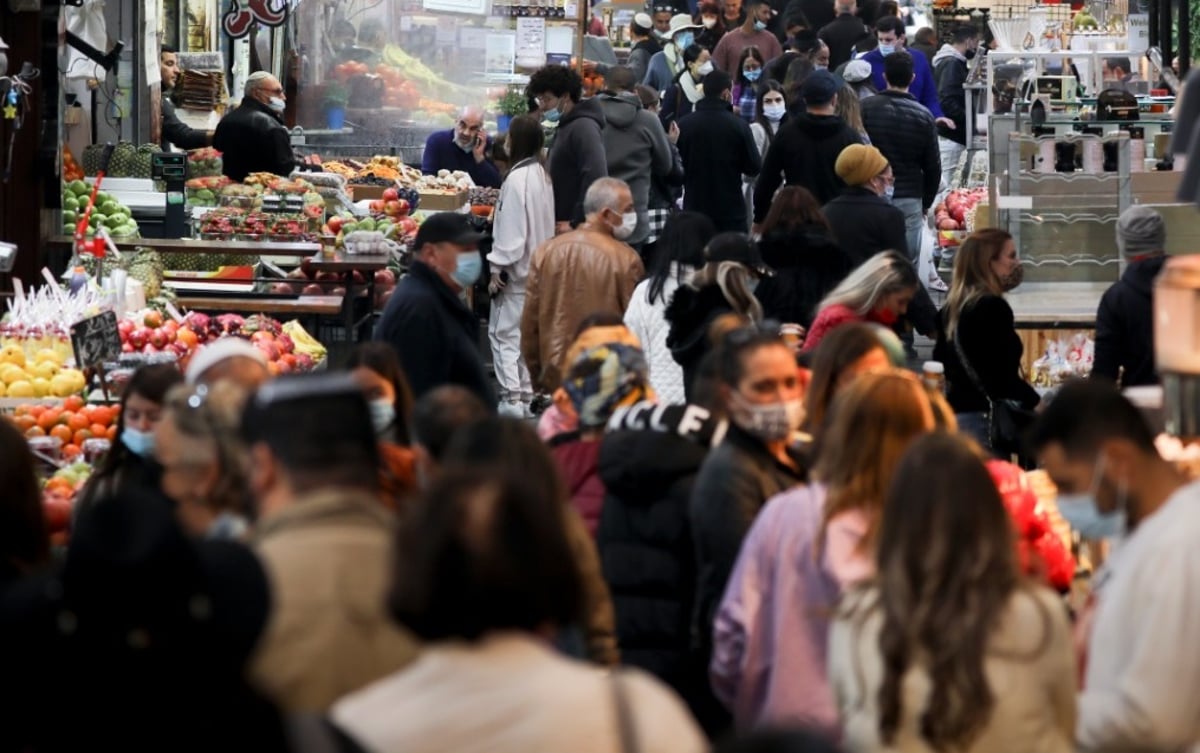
point(774, 113)
point(468, 269)
point(1081, 512)
point(1083, 516)
point(551, 116)
point(759, 26)
point(753, 75)
point(277, 104)
point(684, 40)
point(886, 49)
point(383, 414)
point(889, 191)
point(140, 443)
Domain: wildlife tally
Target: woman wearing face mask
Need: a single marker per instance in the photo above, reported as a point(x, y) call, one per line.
point(708, 16)
point(763, 395)
point(745, 85)
point(681, 97)
point(724, 285)
point(848, 353)
point(807, 547)
point(524, 220)
point(878, 291)
point(130, 462)
point(204, 461)
point(377, 368)
point(977, 325)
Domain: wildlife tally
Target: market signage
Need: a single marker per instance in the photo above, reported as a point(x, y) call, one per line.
point(242, 15)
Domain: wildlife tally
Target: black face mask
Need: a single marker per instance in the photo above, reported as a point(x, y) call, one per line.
point(970, 54)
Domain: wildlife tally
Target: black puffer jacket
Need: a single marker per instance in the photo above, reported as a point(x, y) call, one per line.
point(577, 158)
point(803, 153)
point(1125, 326)
point(690, 313)
point(252, 139)
point(901, 128)
point(648, 461)
point(808, 264)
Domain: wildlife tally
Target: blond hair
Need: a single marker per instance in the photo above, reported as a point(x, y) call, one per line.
point(973, 275)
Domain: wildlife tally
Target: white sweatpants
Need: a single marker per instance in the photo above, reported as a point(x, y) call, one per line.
point(950, 151)
point(504, 334)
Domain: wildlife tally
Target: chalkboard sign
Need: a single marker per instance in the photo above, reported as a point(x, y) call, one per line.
point(96, 340)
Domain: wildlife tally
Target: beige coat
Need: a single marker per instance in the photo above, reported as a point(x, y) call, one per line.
point(328, 559)
point(1030, 667)
point(572, 276)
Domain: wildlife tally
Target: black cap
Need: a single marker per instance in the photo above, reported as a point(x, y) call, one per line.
point(446, 227)
point(820, 87)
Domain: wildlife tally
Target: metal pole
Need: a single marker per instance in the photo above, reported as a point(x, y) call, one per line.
point(1185, 39)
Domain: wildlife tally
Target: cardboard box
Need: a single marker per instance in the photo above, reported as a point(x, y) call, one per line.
point(369, 193)
point(442, 202)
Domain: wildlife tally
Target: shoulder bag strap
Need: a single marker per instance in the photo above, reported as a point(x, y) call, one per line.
point(625, 724)
point(966, 364)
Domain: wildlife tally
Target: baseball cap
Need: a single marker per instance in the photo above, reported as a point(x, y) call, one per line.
point(819, 88)
point(446, 227)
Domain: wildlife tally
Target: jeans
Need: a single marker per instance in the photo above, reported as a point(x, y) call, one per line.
point(950, 151)
point(914, 220)
point(975, 426)
point(504, 334)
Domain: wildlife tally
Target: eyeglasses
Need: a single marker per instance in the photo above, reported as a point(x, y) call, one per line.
point(275, 91)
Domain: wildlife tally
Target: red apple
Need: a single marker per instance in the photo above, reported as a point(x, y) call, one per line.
point(124, 327)
point(57, 510)
point(384, 277)
point(335, 224)
point(158, 338)
point(313, 289)
point(281, 288)
point(268, 349)
point(153, 319)
point(304, 362)
point(139, 337)
point(338, 290)
point(390, 194)
point(947, 224)
point(284, 342)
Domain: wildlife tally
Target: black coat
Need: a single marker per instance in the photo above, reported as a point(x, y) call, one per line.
point(736, 480)
point(689, 314)
point(1125, 326)
point(949, 75)
point(803, 153)
point(901, 128)
point(175, 132)
point(841, 35)
point(577, 158)
point(252, 139)
point(864, 224)
point(990, 342)
point(807, 264)
point(717, 148)
point(648, 462)
point(435, 335)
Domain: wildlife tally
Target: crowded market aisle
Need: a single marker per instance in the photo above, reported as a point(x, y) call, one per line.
point(712, 400)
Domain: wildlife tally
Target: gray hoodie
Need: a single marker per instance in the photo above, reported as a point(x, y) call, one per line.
point(947, 52)
point(636, 147)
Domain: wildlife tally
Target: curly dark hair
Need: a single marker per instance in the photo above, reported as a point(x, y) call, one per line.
point(557, 80)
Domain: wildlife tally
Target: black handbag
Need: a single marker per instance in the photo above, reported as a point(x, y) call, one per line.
point(1007, 420)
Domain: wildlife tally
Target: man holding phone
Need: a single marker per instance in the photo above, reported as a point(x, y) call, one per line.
point(463, 147)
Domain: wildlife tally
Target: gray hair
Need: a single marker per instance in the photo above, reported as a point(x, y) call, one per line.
point(255, 81)
point(603, 194)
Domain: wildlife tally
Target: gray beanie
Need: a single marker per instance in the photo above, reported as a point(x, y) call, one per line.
point(1141, 230)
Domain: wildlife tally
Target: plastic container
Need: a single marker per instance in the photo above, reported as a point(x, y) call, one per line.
point(933, 375)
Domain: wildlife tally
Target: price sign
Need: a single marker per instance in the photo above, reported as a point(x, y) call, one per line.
point(96, 340)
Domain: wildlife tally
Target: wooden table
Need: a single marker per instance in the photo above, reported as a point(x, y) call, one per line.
point(319, 305)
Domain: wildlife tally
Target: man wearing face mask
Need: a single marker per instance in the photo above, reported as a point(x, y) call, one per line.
point(862, 219)
point(753, 33)
point(1141, 684)
point(587, 271)
point(665, 65)
point(950, 72)
point(252, 138)
point(889, 31)
point(463, 147)
point(426, 321)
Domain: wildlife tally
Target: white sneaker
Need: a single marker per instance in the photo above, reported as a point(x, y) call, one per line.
point(511, 409)
point(936, 283)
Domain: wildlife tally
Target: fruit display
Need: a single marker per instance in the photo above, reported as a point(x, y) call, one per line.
point(445, 182)
point(150, 333)
point(43, 375)
point(227, 223)
point(955, 216)
point(1064, 359)
point(108, 212)
point(204, 162)
point(205, 191)
point(72, 423)
point(128, 160)
point(303, 343)
point(389, 216)
point(58, 498)
point(70, 169)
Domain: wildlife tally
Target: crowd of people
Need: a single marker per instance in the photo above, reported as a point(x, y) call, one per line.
point(742, 522)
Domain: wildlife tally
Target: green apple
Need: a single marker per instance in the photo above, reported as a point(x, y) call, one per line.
point(71, 203)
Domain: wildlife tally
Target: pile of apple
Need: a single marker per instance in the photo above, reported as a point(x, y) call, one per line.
point(953, 212)
point(149, 332)
point(304, 280)
point(58, 499)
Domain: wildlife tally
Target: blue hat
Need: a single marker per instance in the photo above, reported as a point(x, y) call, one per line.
point(820, 87)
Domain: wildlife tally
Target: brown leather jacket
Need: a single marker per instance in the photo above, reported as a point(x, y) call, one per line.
point(572, 276)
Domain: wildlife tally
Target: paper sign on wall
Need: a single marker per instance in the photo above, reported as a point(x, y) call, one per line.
point(531, 42)
point(500, 48)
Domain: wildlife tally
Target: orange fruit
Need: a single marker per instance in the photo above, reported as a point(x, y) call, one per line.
point(49, 419)
point(78, 421)
point(73, 403)
point(98, 430)
point(102, 414)
point(71, 452)
point(34, 410)
point(62, 432)
point(35, 431)
point(80, 435)
point(111, 434)
point(25, 423)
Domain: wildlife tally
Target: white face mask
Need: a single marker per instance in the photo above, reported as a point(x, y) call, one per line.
point(705, 68)
point(277, 104)
point(627, 226)
point(774, 113)
point(709, 22)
